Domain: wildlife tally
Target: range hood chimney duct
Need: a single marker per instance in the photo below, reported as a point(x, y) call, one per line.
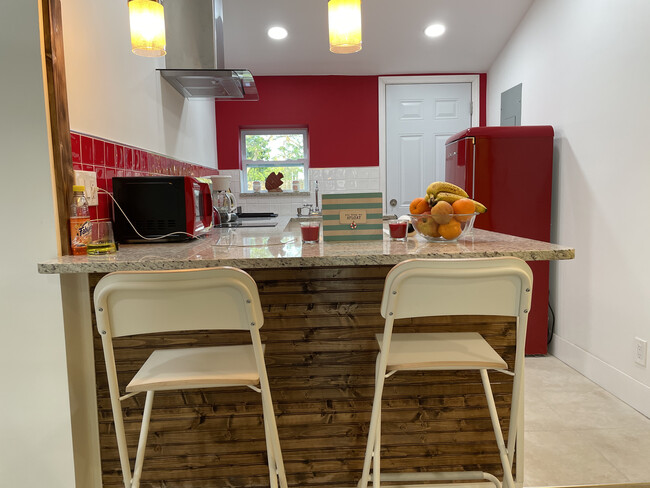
point(194, 63)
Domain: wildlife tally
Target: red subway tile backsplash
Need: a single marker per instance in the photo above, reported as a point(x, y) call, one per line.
point(98, 152)
point(109, 154)
point(127, 162)
point(110, 158)
point(75, 139)
point(119, 156)
point(86, 150)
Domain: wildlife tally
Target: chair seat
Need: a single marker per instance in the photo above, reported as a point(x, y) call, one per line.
point(199, 367)
point(441, 350)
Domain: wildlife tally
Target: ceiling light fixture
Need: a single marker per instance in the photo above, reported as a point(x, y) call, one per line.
point(435, 30)
point(147, 20)
point(344, 18)
point(277, 32)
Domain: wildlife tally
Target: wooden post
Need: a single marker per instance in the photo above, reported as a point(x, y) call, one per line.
point(57, 116)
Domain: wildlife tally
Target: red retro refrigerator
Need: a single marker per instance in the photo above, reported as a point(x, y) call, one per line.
point(510, 170)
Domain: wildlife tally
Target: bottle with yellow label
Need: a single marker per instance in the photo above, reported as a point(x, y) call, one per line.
point(79, 221)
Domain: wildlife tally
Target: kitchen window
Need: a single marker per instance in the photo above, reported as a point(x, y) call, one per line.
point(264, 151)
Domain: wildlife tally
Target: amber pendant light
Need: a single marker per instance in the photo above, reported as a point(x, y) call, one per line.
point(147, 19)
point(344, 18)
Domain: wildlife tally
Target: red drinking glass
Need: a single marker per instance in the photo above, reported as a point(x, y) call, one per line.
point(310, 231)
point(398, 229)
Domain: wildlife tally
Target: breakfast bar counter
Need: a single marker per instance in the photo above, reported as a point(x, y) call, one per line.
point(281, 246)
point(321, 307)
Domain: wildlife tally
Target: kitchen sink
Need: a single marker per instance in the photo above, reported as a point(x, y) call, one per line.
point(257, 215)
point(240, 224)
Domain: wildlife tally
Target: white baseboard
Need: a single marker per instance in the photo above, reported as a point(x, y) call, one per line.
point(618, 383)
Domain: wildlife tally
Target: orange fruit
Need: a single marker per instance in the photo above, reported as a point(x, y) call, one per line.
point(414, 204)
point(463, 206)
point(418, 206)
point(450, 230)
point(441, 212)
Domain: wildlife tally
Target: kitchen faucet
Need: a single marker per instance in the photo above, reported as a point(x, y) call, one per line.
point(316, 209)
point(308, 207)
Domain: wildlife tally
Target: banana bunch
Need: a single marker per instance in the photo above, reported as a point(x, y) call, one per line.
point(448, 192)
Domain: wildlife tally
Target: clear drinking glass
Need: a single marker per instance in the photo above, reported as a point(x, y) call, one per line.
point(101, 238)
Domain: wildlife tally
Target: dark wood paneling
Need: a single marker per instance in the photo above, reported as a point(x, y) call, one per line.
point(59, 124)
point(320, 352)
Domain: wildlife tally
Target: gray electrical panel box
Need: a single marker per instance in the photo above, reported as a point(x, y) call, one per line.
point(511, 106)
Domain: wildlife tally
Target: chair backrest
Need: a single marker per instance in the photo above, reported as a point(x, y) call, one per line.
point(142, 302)
point(432, 287)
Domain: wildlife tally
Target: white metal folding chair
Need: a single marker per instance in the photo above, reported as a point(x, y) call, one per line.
point(423, 288)
point(131, 303)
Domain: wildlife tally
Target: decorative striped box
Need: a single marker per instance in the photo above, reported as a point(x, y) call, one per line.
point(352, 217)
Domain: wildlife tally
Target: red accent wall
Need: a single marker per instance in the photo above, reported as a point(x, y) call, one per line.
point(333, 108)
point(341, 113)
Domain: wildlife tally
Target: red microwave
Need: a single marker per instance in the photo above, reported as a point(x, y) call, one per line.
point(161, 208)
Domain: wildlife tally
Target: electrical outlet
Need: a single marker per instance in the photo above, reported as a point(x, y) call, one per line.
point(640, 351)
point(89, 180)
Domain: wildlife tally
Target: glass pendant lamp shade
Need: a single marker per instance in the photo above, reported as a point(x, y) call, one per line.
point(344, 18)
point(147, 19)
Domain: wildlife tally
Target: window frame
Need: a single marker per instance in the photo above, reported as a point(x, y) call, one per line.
point(246, 163)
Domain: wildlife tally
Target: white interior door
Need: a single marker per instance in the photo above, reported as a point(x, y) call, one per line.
point(419, 120)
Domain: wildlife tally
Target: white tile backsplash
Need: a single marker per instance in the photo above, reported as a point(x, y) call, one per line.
point(328, 185)
point(285, 208)
point(330, 180)
point(363, 184)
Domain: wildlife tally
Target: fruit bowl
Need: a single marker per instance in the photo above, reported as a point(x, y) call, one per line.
point(442, 228)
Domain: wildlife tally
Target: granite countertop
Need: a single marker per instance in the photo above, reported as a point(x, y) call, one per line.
point(281, 246)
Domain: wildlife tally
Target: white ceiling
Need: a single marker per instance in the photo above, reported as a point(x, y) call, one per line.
point(393, 38)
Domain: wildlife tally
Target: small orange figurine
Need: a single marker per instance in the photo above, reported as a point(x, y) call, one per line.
point(274, 182)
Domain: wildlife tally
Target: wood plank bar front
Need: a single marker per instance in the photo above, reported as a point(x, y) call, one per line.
point(319, 333)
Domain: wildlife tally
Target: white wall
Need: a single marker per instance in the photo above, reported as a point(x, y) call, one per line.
point(584, 65)
point(119, 96)
point(35, 438)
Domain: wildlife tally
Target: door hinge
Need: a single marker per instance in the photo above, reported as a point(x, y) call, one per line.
point(471, 108)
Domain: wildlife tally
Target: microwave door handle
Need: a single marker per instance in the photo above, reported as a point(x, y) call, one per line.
point(207, 206)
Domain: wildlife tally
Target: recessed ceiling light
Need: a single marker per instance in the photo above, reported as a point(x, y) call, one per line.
point(277, 32)
point(434, 30)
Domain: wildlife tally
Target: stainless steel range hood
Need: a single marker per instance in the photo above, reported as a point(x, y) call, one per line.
point(194, 61)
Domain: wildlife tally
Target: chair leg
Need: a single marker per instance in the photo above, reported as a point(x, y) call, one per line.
point(274, 453)
point(372, 430)
point(270, 455)
point(142, 441)
point(270, 449)
point(494, 416)
point(118, 422)
point(515, 443)
point(376, 468)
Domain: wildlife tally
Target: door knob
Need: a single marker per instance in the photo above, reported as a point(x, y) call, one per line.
point(393, 202)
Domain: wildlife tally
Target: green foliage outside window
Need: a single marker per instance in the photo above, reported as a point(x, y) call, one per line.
point(257, 148)
point(274, 147)
point(266, 148)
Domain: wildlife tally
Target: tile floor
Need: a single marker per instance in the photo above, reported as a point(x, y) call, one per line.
point(576, 433)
